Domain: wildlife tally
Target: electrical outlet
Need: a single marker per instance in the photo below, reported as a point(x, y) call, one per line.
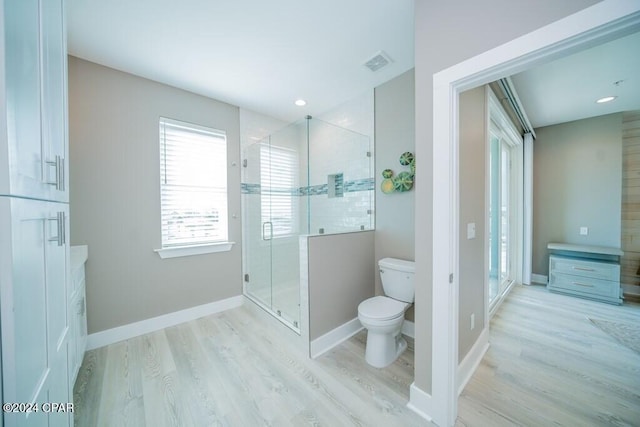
point(584, 231)
point(473, 321)
point(471, 230)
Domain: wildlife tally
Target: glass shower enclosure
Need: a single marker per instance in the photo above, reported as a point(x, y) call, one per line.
point(311, 177)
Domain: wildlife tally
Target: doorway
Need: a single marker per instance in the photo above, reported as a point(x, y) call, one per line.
point(584, 29)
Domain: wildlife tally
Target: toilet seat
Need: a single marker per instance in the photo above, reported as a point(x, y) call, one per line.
point(382, 308)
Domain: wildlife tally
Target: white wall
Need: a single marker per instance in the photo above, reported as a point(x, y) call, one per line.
point(115, 197)
point(577, 181)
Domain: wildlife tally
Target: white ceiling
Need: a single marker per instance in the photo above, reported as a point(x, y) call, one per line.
point(566, 89)
point(256, 54)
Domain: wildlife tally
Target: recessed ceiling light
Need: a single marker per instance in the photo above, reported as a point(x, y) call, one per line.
point(301, 102)
point(606, 99)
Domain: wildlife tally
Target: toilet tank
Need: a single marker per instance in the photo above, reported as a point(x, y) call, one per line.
point(397, 277)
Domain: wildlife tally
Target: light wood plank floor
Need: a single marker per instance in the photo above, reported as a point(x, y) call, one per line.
point(548, 365)
point(229, 370)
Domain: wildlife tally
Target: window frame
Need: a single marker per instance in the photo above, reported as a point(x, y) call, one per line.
point(169, 249)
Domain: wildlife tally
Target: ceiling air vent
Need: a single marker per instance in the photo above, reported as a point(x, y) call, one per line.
point(377, 61)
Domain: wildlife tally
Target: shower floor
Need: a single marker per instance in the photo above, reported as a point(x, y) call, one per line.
point(286, 299)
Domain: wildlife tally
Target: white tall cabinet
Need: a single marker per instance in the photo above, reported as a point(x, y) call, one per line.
point(34, 211)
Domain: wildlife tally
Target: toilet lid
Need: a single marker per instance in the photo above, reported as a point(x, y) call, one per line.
point(381, 308)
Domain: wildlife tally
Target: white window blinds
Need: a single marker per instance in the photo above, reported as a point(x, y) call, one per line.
point(278, 181)
point(193, 175)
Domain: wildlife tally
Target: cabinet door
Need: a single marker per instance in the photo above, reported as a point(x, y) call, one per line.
point(77, 327)
point(22, 64)
point(58, 294)
point(33, 307)
point(35, 83)
point(54, 89)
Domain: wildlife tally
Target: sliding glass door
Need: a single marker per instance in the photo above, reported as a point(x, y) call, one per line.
point(500, 217)
point(505, 200)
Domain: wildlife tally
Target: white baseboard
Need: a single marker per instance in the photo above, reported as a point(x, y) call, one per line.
point(540, 279)
point(409, 329)
point(420, 402)
point(334, 337)
point(110, 336)
point(468, 366)
point(631, 290)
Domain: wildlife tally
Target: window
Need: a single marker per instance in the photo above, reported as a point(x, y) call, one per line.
point(278, 181)
point(193, 185)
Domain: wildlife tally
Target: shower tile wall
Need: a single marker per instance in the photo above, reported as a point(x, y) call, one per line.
point(337, 151)
point(343, 155)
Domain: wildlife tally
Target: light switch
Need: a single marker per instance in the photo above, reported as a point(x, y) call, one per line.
point(471, 230)
point(584, 231)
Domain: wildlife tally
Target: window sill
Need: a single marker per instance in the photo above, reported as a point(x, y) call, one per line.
point(181, 251)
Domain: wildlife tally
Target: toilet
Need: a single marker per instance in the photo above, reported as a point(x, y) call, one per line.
point(383, 316)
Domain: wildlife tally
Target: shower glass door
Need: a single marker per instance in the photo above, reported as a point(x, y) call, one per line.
point(271, 194)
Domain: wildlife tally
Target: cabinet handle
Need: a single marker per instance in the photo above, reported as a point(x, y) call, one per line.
point(60, 238)
point(58, 164)
point(583, 269)
point(264, 235)
point(586, 285)
point(61, 181)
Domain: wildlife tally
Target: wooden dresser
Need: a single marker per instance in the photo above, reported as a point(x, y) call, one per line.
point(591, 272)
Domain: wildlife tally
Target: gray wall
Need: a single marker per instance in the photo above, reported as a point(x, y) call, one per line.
point(341, 270)
point(577, 173)
point(115, 197)
point(395, 134)
point(473, 156)
point(448, 32)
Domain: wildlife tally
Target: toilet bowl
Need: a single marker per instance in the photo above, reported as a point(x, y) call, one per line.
point(383, 316)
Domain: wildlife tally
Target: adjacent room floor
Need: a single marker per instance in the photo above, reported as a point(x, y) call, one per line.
point(548, 364)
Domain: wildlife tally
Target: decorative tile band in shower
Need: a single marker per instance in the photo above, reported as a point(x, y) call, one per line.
point(314, 190)
point(365, 184)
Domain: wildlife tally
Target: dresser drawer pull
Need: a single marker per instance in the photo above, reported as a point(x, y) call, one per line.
point(583, 284)
point(583, 269)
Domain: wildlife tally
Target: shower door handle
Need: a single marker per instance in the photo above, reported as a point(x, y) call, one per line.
point(264, 234)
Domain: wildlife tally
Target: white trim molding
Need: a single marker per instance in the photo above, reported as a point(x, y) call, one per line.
point(326, 342)
point(631, 290)
point(409, 328)
point(125, 332)
point(473, 358)
point(191, 250)
point(420, 402)
point(540, 279)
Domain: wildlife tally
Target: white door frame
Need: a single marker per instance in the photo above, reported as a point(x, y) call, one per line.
point(602, 22)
